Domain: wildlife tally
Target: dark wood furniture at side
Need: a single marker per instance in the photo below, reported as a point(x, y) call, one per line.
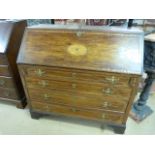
point(91, 72)
point(140, 109)
point(11, 33)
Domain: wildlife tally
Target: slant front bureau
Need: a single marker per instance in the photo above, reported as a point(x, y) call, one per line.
point(11, 33)
point(90, 73)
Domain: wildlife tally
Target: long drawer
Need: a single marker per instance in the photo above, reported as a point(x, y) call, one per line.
point(83, 87)
point(73, 75)
point(8, 93)
point(78, 112)
point(3, 59)
point(6, 82)
point(79, 100)
point(4, 71)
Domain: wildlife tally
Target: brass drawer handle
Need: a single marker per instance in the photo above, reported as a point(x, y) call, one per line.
point(39, 72)
point(47, 107)
point(46, 97)
point(43, 83)
point(2, 82)
point(107, 91)
point(112, 79)
point(103, 116)
point(106, 104)
point(74, 85)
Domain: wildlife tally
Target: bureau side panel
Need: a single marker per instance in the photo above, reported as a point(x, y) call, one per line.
point(134, 84)
point(22, 77)
point(12, 53)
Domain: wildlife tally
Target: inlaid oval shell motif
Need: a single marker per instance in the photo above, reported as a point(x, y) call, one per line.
point(77, 50)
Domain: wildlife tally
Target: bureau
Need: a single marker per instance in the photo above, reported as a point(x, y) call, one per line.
point(88, 72)
point(11, 90)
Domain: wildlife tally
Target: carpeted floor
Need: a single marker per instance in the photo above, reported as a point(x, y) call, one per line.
point(17, 121)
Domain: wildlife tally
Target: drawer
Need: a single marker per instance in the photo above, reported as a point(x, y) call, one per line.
point(8, 93)
point(79, 100)
point(78, 112)
point(6, 82)
point(73, 75)
point(82, 87)
point(3, 60)
point(4, 71)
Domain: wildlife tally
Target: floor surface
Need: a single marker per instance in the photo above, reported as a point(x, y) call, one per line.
point(17, 121)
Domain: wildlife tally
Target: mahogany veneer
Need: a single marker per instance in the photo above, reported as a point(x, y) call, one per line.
point(11, 33)
point(91, 72)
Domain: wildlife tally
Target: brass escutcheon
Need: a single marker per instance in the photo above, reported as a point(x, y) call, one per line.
point(46, 97)
point(112, 79)
point(43, 83)
point(103, 116)
point(107, 91)
point(39, 72)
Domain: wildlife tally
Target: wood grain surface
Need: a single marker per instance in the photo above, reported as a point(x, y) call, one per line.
point(105, 51)
point(11, 33)
point(90, 72)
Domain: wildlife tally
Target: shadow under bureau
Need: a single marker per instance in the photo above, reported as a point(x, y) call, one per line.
point(11, 90)
point(90, 73)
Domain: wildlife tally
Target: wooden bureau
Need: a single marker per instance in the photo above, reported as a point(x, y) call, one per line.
point(88, 72)
point(11, 33)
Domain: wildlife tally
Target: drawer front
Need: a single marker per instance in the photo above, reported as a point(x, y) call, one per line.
point(78, 112)
point(3, 60)
point(8, 93)
point(81, 87)
point(90, 101)
point(6, 82)
point(4, 71)
point(73, 75)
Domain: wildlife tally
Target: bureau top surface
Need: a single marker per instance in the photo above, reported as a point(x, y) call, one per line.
point(5, 33)
point(86, 47)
